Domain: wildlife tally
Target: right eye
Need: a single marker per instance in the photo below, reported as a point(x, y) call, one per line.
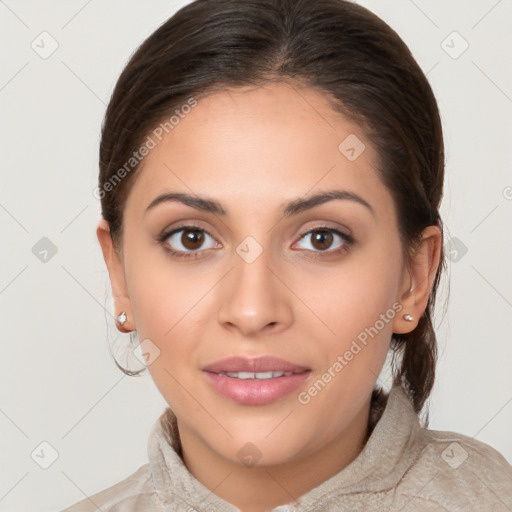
point(186, 241)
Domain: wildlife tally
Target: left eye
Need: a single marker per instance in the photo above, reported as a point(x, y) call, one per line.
point(188, 239)
point(322, 239)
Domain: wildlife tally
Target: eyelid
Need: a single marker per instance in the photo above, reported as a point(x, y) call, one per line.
point(190, 227)
point(180, 255)
point(191, 224)
point(332, 229)
point(348, 239)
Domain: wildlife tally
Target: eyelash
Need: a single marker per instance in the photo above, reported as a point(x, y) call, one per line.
point(347, 239)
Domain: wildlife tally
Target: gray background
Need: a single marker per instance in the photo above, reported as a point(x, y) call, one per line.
point(58, 382)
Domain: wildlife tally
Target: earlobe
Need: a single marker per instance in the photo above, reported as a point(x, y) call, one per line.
point(418, 279)
point(116, 274)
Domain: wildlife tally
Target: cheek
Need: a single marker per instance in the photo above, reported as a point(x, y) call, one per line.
point(172, 307)
point(171, 313)
point(358, 304)
point(351, 296)
point(162, 292)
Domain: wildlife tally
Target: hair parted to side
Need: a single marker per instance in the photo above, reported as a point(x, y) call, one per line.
point(342, 50)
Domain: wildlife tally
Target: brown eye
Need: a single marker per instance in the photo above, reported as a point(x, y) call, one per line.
point(321, 240)
point(192, 239)
point(324, 240)
point(188, 241)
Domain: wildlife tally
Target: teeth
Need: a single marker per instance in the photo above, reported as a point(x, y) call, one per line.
point(257, 375)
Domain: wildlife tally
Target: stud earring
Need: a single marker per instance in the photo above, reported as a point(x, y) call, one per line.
point(408, 318)
point(122, 318)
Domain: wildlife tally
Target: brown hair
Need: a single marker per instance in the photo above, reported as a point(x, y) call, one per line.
point(336, 47)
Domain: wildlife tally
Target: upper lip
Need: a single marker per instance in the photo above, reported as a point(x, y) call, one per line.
point(254, 365)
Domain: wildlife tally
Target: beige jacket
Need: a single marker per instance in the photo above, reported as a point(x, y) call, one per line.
point(403, 467)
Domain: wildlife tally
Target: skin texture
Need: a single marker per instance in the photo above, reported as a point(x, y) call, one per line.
point(253, 150)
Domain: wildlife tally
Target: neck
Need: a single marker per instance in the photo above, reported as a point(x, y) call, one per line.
point(284, 483)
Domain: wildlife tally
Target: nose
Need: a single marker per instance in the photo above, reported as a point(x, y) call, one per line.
point(253, 298)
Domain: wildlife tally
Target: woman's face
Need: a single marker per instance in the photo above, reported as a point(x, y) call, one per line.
point(269, 273)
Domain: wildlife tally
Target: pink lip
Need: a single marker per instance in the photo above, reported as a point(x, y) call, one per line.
point(255, 364)
point(255, 391)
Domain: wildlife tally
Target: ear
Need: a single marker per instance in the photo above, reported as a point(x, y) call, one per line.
point(417, 280)
point(116, 272)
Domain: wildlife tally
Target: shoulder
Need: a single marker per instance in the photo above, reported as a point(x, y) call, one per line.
point(456, 472)
point(134, 493)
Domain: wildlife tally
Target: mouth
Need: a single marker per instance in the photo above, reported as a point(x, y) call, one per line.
point(255, 365)
point(258, 375)
point(255, 381)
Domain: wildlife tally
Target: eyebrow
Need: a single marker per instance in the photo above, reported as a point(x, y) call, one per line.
point(291, 208)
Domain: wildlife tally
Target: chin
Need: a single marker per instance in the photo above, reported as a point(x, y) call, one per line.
point(252, 449)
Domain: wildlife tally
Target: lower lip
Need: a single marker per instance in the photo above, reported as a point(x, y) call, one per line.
point(256, 391)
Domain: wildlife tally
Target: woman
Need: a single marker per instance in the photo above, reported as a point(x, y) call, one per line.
point(270, 179)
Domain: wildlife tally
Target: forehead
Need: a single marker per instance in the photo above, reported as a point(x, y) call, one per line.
point(258, 143)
